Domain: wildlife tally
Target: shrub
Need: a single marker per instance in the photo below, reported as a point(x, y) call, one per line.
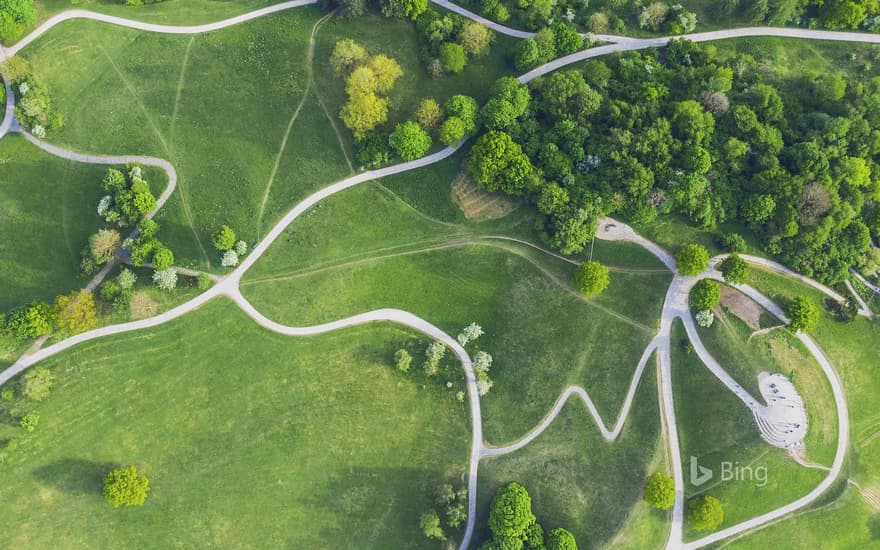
point(104, 245)
point(360, 82)
point(109, 290)
point(705, 318)
point(363, 113)
point(693, 259)
point(402, 360)
point(660, 491)
point(165, 279)
point(591, 278)
point(30, 321)
point(37, 383)
point(433, 354)
point(465, 108)
point(148, 228)
point(734, 269)
point(241, 248)
point(223, 238)
point(469, 334)
point(15, 17)
point(163, 258)
point(561, 539)
point(126, 279)
point(430, 526)
point(125, 487)
point(203, 281)
point(141, 306)
point(705, 294)
point(802, 313)
point(475, 38)
point(29, 421)
point(705, 513)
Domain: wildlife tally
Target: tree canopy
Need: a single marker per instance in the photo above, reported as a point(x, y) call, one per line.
point(734, 269)
point(660, 491)
point(705, 294)
point(125, 487)
point(705, 513)
point(693, 259)
point(591, 278)
point(802, 313)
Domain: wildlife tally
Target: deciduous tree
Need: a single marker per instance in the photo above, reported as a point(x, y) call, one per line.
point(660, 491)
point(802, 313)
point(75, 312)
point(125, 487)
point(693, 259)
point(410, 141)
point(591, 278)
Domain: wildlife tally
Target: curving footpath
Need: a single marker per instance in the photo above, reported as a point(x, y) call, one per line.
point(675, 304)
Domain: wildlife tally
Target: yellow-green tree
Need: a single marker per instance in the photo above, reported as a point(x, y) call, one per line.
point(125, 487)
point(387, 72)
point(363, 113)
point(75, 312)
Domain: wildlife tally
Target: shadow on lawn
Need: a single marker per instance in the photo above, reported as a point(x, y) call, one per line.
point(75, 476)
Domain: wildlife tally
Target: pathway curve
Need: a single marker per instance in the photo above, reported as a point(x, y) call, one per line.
point(229, 286)
point(864, 281)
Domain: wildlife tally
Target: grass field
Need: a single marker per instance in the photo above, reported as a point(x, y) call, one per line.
point(249, 439)
point(576, 479)
point(47, 212)
point(716, 427)
point(366, 248)
point(169, 12)
point(728, 340)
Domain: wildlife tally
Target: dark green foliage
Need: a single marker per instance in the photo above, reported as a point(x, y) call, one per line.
point(567, 39)
point(734, 269)
point(465, 108)
point(561, 539)
point(373, 151)
point(693, 259)
point(30, 321)
point(410, 141)
point(705, 294)
point(498, 162)
point(802, 313)
point(15, 17)
point(109, 290)
point(510, 513)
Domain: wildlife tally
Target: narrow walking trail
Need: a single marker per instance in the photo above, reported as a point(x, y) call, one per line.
point(675, 305)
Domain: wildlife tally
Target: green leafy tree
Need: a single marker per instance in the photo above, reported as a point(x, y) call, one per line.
point(402, 360)
point(526, 55)
point(498, 162)
point(660, 491)
point(567, 39)
point(465, 108)
point(561, 539)
point(452, 130)
point(452, 57)
point(37, 383)
point(223, 238)
point(802, 313)
point(75, 312)
point(360, 82)
point(734, 269)
point(693, 259)
point(510, 513)
point(163, 258)
point(386, 71)
point(410, 141)
point(430, 526)
point(15, 17)
point(362, 113)
point(347, 54)
point(475, 38)
point(125, 487)
point(591, 278)
point(705, 513)
point(403, 8)
point(30, 321)
point(705, 294)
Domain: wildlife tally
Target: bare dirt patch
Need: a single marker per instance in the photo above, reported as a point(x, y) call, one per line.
point(477, 204)
point(142, 306)
point(742, 306)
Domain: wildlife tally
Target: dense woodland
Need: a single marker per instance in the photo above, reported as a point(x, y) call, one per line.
point(680, 131)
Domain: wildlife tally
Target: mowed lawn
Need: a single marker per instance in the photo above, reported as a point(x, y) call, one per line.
point(716, 427)
point(250, 439)
point(577, 479)
point(47, 212)
point(168, 12)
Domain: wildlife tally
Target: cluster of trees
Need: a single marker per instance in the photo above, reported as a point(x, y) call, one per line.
point(34, 386)
point(710, 139)
point(668, 18)
point(449, 512)
point(128, 197)
point(447, 41)
point(513, 525)
point(230, 247)
point(33, 106)
point(831, 14)
point(15, 17)
point(69, 314)
point(368, 81)
point(389, 8)
point(548, 43)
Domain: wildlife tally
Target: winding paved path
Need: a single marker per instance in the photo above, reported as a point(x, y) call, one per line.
point(675, 304)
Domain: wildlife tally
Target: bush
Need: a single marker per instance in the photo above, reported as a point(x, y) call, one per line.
point(705, 294)
point(705, 318)
point(692, 260)
point(705, 513)
point(163, 258)
point(561, 539)
point(402, 360)
point(148, 228)
point(109, 290)
point(15, 17)
point(433, 355)
point(126, 279)
point(591, 278)
point(660, 491)
point(430, 526)
point(223, 238)
point(30, 321)
point(802, 314)
point(203, 281)
point(37, 383)
point(29, 421)
point(75, 312)
point(734, 269)
point(386, 70)
point(475, 38)
point(125, 487)
point(241, 248)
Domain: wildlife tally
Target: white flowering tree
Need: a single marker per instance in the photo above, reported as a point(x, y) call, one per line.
point(469, 334)
point(241, 248)
point(126, 279)
point(705, 318)
point(165, 279)
point(229, 258)
point(433, 354)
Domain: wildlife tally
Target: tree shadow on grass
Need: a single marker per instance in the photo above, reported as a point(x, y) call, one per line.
point(75, 476)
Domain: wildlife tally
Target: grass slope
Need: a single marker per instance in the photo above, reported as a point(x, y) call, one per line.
point(250, 439)
point(715, 427)
point(576, 479)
